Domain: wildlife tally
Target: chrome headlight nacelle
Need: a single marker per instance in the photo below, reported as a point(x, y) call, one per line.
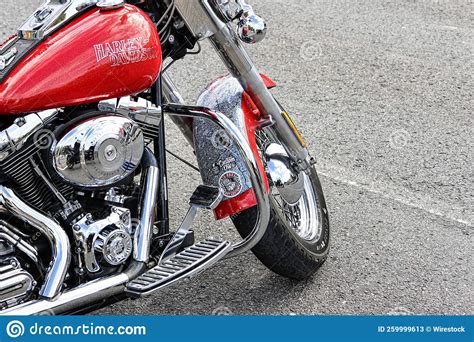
point(98, 152)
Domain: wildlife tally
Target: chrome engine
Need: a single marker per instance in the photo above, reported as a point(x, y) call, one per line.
point(76, 177)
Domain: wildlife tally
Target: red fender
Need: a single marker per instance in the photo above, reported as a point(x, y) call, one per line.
point(253, 120)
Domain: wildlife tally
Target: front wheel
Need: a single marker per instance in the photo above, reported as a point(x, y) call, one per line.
point(296, 242)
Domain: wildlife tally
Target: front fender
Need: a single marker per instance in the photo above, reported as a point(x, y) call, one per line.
point(219, 160)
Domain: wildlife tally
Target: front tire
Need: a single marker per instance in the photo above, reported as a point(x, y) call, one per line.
point(296, 243)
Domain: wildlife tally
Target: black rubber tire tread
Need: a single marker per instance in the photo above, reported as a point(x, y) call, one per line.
point(281, 250)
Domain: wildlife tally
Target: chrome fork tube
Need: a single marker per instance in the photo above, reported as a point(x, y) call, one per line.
point(241, 67)
point(54, 233)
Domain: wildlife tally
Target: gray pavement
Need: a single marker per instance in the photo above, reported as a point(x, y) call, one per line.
point(382, 90)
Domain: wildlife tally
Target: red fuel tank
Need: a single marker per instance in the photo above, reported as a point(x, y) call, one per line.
point(99, 55)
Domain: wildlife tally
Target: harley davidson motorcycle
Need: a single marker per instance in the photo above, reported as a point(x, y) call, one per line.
point(84, 217)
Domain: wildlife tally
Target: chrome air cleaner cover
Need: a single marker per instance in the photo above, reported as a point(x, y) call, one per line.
point(99, 152)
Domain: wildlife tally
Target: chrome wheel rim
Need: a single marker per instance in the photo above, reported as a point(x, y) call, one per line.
point(303, 217)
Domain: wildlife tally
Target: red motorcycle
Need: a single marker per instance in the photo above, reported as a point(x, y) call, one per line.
point(83, 185)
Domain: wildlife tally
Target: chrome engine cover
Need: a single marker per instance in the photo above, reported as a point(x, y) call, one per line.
point(15, 284)
point(108, 240)
point(115, 246)
point(99, 152)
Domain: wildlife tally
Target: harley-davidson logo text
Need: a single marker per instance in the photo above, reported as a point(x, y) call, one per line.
point(126, 51)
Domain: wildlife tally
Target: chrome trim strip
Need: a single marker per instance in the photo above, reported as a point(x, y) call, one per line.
point(57, 237)
point(50, 16)
point(7, 58)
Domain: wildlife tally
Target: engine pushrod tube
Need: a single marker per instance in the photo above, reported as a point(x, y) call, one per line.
point(259, 189)
point(56, 236)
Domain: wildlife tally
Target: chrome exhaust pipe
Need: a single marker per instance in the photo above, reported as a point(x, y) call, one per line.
point(80, 297)
point(100, 289)
point(57, 237)
point(68, 301)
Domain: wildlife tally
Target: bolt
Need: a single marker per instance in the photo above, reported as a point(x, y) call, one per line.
point(76, 227)
point(20, 122)
point(171, 39)
point(178, 24)
point(125, 217)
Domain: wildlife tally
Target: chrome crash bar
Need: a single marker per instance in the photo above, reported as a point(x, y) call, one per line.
point(257, 181)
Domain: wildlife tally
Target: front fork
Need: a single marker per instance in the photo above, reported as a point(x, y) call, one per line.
point(242, 68)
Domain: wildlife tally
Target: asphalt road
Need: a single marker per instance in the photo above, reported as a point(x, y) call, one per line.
point(382, 90)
